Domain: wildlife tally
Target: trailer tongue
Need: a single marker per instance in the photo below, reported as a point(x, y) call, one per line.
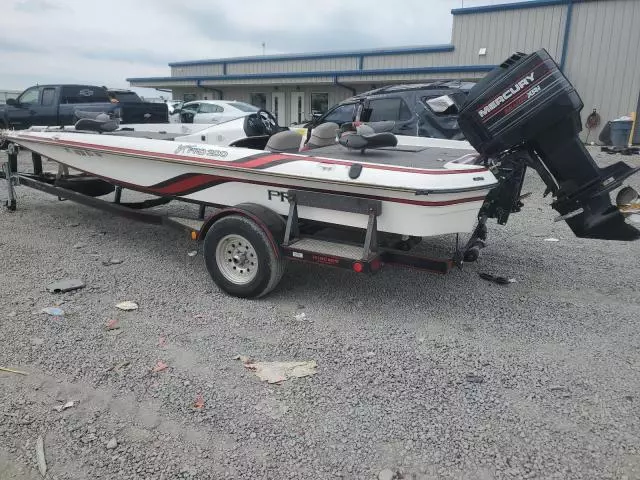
point(526, 113)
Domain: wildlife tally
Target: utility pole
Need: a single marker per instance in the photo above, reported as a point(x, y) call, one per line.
point(263, 47)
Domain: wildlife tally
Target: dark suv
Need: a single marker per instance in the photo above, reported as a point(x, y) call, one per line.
point(423, 110)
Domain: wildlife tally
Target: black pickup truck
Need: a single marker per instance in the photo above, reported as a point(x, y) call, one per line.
point(136, 110)
point(55, 105)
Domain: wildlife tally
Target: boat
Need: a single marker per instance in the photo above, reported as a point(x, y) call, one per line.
point(357, 197)
point(435, 198)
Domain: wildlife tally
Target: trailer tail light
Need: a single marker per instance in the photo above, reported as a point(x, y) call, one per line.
point(375, 264)
point(358, 267)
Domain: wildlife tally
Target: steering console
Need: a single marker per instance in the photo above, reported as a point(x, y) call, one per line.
point(269, 122)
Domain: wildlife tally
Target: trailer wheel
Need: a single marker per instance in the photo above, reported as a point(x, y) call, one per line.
point(241, 258)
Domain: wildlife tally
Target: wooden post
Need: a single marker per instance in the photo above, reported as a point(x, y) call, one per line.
point(634, 119)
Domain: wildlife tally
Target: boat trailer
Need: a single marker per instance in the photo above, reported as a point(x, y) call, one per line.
point(283, 238)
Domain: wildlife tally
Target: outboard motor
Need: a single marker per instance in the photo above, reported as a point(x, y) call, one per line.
point(526, 113)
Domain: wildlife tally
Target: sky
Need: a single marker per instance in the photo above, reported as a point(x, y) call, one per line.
point(103, 43)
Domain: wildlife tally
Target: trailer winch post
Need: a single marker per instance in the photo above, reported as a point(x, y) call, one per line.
point(10, 179)
point(13, 160)
point(36, 159)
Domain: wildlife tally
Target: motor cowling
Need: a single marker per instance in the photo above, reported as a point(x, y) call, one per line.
point(526, 108)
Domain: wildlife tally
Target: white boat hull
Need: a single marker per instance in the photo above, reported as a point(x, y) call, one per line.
point(230, 176)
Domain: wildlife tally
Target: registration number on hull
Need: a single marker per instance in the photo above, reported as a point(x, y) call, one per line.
point(83, 153)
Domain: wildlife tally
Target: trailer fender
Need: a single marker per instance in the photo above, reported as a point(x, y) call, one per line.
point(272, 223)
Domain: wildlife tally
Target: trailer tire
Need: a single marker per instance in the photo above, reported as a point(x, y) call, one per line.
point(241, 257)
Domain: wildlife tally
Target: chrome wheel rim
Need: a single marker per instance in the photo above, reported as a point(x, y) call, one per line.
point(237, 259)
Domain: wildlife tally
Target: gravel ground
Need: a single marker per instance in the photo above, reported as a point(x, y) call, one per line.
point(419, 376)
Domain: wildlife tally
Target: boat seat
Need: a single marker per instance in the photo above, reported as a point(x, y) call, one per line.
point(362, 141)
point(92, 115)
point(286, 141)
point(97, 125)
point(95, 121)
point(368, 127)
point(323, 135)
point(383, 126)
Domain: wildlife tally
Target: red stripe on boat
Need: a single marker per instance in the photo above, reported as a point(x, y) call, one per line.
point(183, 184)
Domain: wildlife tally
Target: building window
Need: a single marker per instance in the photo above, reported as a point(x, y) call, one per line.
point(319, 103)
point(259, 100)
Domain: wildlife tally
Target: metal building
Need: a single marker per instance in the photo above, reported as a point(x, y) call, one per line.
point(596, 43)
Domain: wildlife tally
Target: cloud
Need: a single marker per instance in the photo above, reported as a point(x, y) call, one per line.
point(35, 6)
point(11, 46)
point(64, 41)
point(131, 56)
point(294, 28)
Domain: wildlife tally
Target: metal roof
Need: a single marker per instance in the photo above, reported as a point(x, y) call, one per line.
point(500, 7)
point(319, 55)
point(327, 73)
